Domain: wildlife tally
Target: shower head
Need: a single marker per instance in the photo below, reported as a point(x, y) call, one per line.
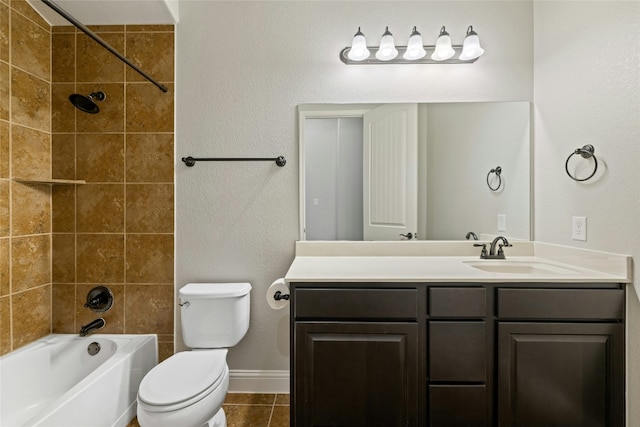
point(85, 103)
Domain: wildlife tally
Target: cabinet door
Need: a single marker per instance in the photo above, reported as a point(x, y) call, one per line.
point(356, 374)
point(458, 405)
point(561, 375)
point(457, 352)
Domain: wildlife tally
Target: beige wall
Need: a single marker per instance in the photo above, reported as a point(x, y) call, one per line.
point(57, 242)
point(242, 100)
point(587, 91)
point(242, 69)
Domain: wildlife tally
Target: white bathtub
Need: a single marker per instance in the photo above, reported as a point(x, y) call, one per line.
point(54, 382)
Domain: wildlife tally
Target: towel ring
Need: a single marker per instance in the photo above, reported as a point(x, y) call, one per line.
point(498, 172)
point(585, 152)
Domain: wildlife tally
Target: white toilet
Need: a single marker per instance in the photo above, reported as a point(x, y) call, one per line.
point(188, 389)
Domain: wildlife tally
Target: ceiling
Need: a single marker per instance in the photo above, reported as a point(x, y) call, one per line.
point(111, 12)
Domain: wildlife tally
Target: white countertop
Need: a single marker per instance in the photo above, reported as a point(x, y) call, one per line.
point(382, 261)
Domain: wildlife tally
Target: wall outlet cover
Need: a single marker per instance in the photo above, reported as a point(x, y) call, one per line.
point(579, 228)
point(502, 222)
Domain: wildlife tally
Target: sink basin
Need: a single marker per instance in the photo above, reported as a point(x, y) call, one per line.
point(519, 267)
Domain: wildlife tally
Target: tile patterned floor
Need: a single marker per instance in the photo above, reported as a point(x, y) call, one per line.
point(253, 410)
point(257, 410)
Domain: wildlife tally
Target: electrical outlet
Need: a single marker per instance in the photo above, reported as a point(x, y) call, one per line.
point(579, 228)
point(502, 222)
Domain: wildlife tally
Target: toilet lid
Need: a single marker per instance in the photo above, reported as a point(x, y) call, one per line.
point(183, 376)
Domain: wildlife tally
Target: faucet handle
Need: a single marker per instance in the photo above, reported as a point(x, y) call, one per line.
point(483, 252)
point(99, 299)
point(506, 245)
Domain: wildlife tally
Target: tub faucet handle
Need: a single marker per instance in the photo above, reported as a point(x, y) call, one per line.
point(99, 299)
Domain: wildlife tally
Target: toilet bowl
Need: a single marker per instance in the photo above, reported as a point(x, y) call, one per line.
point(185, 390)
point(188, 388)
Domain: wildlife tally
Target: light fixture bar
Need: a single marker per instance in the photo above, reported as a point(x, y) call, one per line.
point(372, 60)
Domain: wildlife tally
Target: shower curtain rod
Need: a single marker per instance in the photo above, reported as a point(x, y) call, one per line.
point(100, 41)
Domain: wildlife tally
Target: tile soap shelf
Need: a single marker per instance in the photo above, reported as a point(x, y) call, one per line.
point(51, 181)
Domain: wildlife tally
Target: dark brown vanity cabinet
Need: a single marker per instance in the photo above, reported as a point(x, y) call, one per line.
point(357, 374)
point(561, 357)
point(457, 355)
point(355, 358)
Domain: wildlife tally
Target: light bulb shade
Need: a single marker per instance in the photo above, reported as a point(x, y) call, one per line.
point(443, 50)
point(358, 51)
point(387, 50)
point(471, 47)
point(415, 49)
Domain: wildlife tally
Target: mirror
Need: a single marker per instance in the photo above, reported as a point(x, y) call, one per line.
point(435, 171)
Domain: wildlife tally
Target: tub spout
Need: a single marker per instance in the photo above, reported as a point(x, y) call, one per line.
point(92, 326)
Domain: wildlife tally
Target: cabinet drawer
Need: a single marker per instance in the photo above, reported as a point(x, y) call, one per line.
point(457, 405)
point(560, 304)
point(457, 302)
point(387, 304)
point(457, 351)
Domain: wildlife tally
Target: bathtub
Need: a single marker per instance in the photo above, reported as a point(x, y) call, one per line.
point(55, 382)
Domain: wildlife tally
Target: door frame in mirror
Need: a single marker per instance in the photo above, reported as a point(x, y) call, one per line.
point(319, 111)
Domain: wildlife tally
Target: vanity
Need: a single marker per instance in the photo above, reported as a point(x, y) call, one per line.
point(428, 334)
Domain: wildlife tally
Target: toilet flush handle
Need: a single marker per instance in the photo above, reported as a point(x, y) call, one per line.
point(184, 304)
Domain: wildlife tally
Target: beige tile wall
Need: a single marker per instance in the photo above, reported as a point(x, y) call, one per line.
point(117, 229)
point(57, 242)
point(25, 152)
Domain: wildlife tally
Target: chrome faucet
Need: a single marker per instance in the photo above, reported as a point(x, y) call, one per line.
point(492, 254)
point(92, 326)
point(470, 235)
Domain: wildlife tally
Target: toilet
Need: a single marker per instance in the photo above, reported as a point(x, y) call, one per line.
point(188, 388)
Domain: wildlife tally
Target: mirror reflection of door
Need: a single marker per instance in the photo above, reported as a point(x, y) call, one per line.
point(333, 188)
point(390, 202)
point(361, 175)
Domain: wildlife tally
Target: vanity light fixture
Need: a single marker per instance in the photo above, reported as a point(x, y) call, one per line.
point(358, 50)
point(387, 50)
point(415, 49)
point(443, 52)
point(471, 47)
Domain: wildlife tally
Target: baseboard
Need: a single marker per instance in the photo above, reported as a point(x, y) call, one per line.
point(248, 381)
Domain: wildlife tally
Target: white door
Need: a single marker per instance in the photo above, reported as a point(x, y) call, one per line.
point(390, 169)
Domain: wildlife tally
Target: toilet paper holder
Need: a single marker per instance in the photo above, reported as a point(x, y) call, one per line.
point(280, 296)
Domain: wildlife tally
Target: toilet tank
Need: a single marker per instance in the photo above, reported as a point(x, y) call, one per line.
point(214, 315)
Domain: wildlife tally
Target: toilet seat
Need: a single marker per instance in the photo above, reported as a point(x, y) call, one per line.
point(183, 379)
